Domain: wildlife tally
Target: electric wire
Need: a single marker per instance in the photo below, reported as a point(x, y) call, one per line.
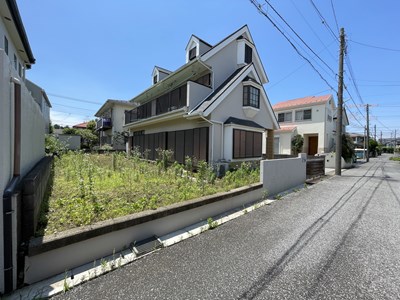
point(74, 99)
point(313, 31)
point(334, 15)
point(323, 20)
point(259, 8)
point(300, 38)
point(376, 47)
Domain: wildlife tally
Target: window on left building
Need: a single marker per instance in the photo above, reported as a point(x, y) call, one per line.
point(251, 96)
point(15, 62)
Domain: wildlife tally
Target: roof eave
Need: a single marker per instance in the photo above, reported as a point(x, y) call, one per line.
point(12, 6)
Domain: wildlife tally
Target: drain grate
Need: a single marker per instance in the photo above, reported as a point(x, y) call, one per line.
point(147, 245)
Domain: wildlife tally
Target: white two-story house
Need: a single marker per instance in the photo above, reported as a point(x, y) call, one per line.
point(213, 108)
point(110, 122)
point(312, 117)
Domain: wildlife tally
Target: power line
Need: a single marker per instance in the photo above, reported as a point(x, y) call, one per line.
point(352, 78)
point(74, 99)
point(376, 47)
point(323, 20)
point(334, 15)
point(259, 7)
point(300, 38)
point(313, 31)
point(67, 106)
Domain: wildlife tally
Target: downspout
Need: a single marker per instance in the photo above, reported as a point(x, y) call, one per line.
point(213, 122)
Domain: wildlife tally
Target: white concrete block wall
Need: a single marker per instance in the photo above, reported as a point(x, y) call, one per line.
point(278, 175)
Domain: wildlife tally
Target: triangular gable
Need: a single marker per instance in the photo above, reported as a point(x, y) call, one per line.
point(231, 85)
point(243, 32)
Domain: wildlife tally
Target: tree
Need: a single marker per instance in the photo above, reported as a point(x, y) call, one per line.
point(89, 138)
point(68, 130)
point(297, 144)
point(372, 148)
point(348, 152)
point(91, 125)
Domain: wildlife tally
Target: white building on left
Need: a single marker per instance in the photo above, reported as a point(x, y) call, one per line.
point(22, 121)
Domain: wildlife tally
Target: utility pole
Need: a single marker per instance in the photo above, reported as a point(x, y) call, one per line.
point(375, 132)
point(381, 137)
point(395, 140)
point(339, 121)
point(367, 132)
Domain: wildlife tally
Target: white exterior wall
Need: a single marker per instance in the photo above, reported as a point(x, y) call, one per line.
point(285, 142)
point(319, 124)
point(32, 131)
point(118, 121)
point(32, 126)
point(196, 93)
point(232, 105)
point(223, 63)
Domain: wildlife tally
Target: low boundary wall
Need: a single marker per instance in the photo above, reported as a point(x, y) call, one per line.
point(279, 175)
point(34, 187)
point(56, 253)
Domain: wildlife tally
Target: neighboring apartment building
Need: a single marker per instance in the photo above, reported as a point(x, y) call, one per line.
point(213, 108)
point(22, 126)
point(41, 98)
point(313, 117)
point(110, 122)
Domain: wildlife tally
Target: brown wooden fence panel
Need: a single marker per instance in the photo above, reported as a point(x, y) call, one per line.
point(315, 167)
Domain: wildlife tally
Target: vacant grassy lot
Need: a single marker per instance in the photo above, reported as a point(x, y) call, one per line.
point(88, 188)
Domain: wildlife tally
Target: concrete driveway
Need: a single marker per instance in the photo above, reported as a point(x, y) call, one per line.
point(338, 239)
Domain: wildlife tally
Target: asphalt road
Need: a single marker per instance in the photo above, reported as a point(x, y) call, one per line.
point(339, 239)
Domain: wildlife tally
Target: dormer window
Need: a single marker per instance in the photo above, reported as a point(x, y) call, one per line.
point(248, 54)
point(155, 79)
point(192, 53)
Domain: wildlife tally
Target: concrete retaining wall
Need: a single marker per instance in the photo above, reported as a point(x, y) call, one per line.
point(279, 175)
point(34, 187)
point(54, 254)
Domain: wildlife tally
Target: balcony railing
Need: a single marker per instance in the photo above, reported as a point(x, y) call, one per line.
point(103, 124)
point(171, 101)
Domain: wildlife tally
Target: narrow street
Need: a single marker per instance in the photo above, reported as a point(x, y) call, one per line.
point(338, 239)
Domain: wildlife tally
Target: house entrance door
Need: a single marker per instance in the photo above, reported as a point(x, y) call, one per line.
point(312, 145)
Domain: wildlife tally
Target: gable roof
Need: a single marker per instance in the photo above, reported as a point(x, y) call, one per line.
point(248, 123)
point(203, 105)
point(16, 30)
point(244, 30)
point(162, 70)
point(206, 106)
point(305, 101)
point(110, 102)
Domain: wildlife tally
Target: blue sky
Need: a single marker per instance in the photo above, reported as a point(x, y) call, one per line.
point(95, 50)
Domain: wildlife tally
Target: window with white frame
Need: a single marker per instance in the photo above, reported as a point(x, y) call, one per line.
point(285, 117)
point(303, 115)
